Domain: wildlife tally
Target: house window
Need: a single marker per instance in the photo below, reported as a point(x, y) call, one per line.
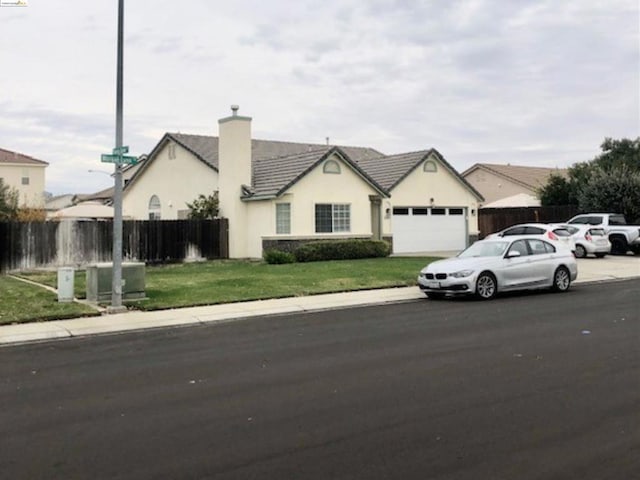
point(331, 166)
point(283, 218)
point(25, 176)
point(430, 166)
point(172, 151)
point(154, 208)
point(333, 218)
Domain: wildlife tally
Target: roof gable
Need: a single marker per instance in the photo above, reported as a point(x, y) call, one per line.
point(528, 177)
point(390, 170)
point(7, 156)
point(274, 176)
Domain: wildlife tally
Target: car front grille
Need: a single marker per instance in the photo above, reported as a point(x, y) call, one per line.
point(439, 276)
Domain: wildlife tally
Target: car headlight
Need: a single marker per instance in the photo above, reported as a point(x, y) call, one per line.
point(462, 273)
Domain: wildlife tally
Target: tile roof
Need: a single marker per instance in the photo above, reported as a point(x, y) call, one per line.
point(390, 170)
point(530, 177)
point(273, 175)
point(277, 165)
point(7, 156)
point(206, 148)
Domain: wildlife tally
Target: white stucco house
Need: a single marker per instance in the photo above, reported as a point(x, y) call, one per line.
point(26, 174)
point(282, 193)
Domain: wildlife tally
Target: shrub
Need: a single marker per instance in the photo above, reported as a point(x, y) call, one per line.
point(342, 250)
point(278, 257)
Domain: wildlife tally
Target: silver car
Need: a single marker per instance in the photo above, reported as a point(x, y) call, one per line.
point(500, 265)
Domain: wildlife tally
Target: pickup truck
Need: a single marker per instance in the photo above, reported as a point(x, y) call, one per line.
point(623, 237)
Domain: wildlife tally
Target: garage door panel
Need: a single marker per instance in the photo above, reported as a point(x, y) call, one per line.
point(423, 233)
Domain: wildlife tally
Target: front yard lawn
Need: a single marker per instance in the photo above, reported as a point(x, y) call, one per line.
point(21, 302)
point(226, 281)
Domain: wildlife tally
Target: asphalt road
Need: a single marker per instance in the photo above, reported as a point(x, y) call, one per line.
point(529, 386)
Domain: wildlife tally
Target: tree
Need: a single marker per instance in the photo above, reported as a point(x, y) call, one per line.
point(616, 167)
point(204, 207)
point(617, 153)
point(557, 191)
point(8, 202)
point(614, 190)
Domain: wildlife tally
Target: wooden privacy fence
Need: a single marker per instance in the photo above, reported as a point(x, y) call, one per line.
point(494, 219)
point(30, 245)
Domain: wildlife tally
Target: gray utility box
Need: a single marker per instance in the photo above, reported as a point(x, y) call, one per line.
point(100, 277)
point(65, 284)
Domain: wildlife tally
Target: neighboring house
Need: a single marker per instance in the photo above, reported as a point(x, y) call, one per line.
point(496, 182)
point(59, 202)
point(26, 175)
point(283, 193)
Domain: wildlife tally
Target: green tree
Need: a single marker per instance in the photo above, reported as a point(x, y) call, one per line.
point(616, 189)
point(8, 202)
point(557, 191)
point(617, 153)
point(204, 207)
point(619, 158)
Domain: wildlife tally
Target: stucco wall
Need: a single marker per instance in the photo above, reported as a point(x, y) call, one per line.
point(32, 195)
point(315, 188)
point(493, 187)
point(175, 181)
point(419, 187)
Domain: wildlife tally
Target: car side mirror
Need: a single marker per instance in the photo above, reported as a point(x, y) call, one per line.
point(513, 254)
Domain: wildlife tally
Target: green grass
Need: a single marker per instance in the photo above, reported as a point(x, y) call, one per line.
point(21, 302)
point(226, 281)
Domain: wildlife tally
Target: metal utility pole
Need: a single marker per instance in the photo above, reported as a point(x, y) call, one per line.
point(116, 292)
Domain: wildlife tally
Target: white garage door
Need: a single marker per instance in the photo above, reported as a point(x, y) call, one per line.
point(427, 229)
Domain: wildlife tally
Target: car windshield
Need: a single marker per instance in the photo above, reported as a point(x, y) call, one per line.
point(485, 248)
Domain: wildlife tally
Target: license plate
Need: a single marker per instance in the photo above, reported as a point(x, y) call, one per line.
point(433, 284)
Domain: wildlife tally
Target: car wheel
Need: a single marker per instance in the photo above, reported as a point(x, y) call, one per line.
point(486, 286)
point(561, 280)
point(581, 252)
point(434, 295)
point(600, 255)
point(618, 246)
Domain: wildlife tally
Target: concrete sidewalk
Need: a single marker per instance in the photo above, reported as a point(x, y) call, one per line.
point(589, 270)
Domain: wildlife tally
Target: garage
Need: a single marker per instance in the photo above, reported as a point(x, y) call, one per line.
point(428, 229)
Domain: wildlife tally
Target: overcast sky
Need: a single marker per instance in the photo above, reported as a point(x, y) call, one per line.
point(526, 82)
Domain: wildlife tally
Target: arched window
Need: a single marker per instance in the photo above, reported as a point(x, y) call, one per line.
point(154, 208)
point(430, 166)
point(331, 166)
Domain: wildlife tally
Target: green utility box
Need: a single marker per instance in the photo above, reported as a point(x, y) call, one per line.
point(100, 277)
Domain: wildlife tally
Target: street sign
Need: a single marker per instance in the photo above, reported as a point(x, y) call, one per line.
point(120, 150)
point(120, 159)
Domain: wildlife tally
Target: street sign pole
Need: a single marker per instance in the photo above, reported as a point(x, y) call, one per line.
point(116, 290)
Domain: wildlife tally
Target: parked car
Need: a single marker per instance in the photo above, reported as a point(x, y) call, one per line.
point(623, 237)
point(500, 265)
point(556, 233)
point(589, 240)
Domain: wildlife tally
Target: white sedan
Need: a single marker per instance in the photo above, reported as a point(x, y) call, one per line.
point(500, 265)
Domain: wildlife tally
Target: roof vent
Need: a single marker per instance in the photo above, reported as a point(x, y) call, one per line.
point(234, 110)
